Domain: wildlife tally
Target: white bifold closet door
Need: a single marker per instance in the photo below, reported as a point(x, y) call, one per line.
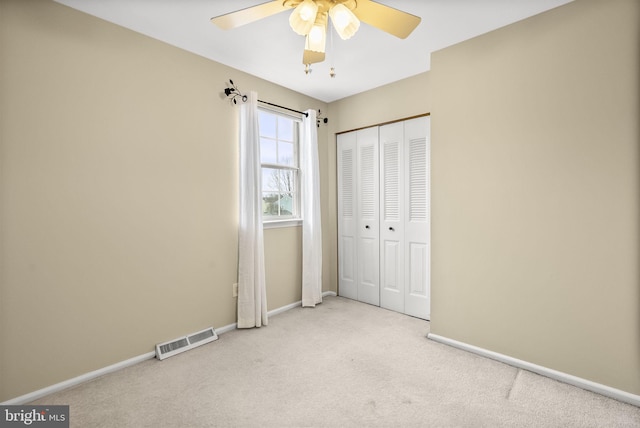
point(368, 217)
point(358, 241)
point(383, 216)
point(347, 222)
point(404, 222)
point(392, 227)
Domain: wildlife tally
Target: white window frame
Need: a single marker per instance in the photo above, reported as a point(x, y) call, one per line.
point(271, 222)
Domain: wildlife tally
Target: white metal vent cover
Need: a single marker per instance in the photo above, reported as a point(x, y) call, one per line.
point(181, 344)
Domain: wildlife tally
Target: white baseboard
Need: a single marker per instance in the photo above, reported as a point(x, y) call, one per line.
point(36, 395)
point(605, 390)
point(23, 399)
point(296, 304)
point(273, 312)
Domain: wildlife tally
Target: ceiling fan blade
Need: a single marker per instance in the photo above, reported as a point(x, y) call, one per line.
point(311, 57)
point(387, 19)
point(249, 15)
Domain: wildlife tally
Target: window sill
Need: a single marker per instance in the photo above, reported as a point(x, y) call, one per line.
point(275, 224)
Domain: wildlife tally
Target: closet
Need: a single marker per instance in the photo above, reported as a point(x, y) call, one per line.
point(383, 216)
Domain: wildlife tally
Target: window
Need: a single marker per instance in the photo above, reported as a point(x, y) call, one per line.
point(279, 136)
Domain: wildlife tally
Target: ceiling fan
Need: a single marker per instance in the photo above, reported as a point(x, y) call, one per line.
point(310, 18)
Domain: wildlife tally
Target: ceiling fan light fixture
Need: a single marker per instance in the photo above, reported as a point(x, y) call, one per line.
point(303, 17)
point(344, 21)
point(316, 40)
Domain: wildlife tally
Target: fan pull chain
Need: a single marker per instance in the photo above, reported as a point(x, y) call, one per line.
point(332, 72)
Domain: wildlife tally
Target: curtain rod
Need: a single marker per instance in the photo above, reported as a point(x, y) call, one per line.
point(282, 107)
point(235, 93)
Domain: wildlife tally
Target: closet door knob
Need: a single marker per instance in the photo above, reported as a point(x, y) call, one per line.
point(391, 229)
point(366, 227)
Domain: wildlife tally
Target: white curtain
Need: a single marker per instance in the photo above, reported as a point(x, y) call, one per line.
point(311, 227)
point(252, 296)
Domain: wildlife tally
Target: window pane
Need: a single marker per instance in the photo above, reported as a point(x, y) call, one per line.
point(286, 154)
point(287, 180)
point(268, 151)
point(286, 204)
point(270, 180)
point(285, 128)
point(270, 204)
point(267, 125)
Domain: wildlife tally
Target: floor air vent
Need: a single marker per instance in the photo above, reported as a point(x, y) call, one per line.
point(181, 344)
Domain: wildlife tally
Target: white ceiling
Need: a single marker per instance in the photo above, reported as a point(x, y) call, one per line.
point(270, 50)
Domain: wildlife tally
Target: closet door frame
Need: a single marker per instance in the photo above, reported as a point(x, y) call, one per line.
point(366, 275)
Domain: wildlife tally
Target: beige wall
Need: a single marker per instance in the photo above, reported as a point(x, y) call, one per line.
point(400, 100)
point(536, 173)
point(118, 195)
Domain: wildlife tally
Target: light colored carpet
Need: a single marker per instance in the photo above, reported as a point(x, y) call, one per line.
point(342, 364)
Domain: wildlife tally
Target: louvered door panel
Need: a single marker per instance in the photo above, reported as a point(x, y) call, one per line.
point(416, 242)
point(392, 212)
point(417, 179)
point(347, 212)
point(367, 234)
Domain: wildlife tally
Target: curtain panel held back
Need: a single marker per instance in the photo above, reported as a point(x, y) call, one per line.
point(311, 224)
point(252, 296)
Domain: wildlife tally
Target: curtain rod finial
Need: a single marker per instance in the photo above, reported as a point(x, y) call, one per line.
point(234, 93)
point(319, 119)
